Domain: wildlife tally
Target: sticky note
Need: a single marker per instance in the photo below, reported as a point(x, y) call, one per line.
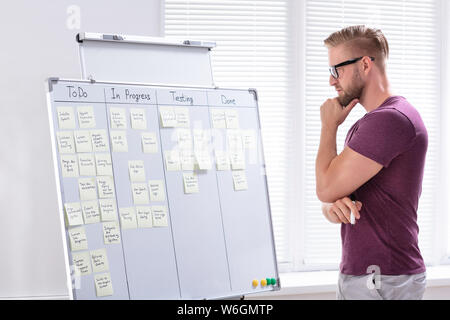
point(203, 159)
point(108, 210)
point(149, 142)
point(184, 139)
point(69, 166)
point(111, 232)
point(187, 160)
point(232, 119)
point(222, 160)
point(66, 118)
point(237, 160)
point(156, 188)
point(103, 285)
point(168, 117)
point(99, 260)
point(234, 140)
point(190, 182)
point(91, 212)
point(182, 117)
point(159, 214)
point(78, 239)
point(240, 180)
point(249, 139)
point(105, 186)
point(118, 118)
point(87, 164)
point(86, 117)
point(128, 218)
point(138, 118)
point(87, 189)
point(201, 138)
point(74, 216)
point(136, 170)
point(103, 164)
point(218, 118)
point(83, 141)
point(140, 193)
point(99, 140)
point(172, 160)
point(144, 217)
point(66, 143)
point(82, 263)
point(119, 141)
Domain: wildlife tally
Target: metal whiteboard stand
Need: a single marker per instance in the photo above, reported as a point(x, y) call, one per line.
point(147, 60)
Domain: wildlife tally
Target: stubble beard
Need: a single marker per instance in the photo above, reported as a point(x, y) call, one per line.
point(353, 92)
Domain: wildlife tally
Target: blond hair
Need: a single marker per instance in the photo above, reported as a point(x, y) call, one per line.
point(363, 41)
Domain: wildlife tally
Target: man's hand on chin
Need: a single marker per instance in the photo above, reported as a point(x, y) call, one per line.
point(332, 113)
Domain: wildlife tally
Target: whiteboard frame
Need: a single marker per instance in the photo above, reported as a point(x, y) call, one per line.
point(58, 177)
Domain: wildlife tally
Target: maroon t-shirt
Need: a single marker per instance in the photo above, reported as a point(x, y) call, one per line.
point(386, 235)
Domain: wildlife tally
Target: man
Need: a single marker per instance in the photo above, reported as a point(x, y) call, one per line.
point(381, 168)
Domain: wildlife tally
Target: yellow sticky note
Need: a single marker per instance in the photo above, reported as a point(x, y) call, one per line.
point(78, 239)
point(172, 159)
point(140, 193)
point(69, 166)
point(87, 189)
point(237, 160)
point(190, 182)
point(91, 212)
point(128, 218)
point(82, 263)
point(159, 214)
point(184, 139)
point(144, 217)
point(240, 180)
point(74, 217)
point(232, 119)
point(222, 160)
point(118, 118)
point(108, 210)
point(99, 140)
point(182, 117)
point(119, 141)
point(138, 118)
point(156, 189)
point(149, 142)
point(86, 117)
point(66, 118)
point(99, 260)
point(105, 186)
point(203, 159)
point(83, 141)
point(103, 285)
point(168, 117)
point(66, 143)
point(187, 160)
point(136, 170)
point(218, 118)
point(86, 164)
point(103, 164)
point(111, 232)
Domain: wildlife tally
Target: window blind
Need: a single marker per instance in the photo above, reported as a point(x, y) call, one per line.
point(254, 50)
point(413, 70)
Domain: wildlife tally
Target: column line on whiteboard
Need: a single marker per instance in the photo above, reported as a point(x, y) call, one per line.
point(167, 195)
point(117, 204)
point(220, 206)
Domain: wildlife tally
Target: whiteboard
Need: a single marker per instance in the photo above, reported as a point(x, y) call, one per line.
point(217, 240)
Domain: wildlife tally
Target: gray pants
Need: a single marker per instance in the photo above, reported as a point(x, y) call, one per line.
point(373, 287)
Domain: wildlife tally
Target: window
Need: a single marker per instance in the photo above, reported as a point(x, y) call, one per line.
point(277, 47)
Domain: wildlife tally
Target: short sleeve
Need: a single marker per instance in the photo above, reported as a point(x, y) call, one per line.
point(383, 135)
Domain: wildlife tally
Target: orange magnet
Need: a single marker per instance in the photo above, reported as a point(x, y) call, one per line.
point(263, 282)
point(255, 283)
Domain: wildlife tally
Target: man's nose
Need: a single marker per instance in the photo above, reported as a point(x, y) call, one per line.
point(332, 80)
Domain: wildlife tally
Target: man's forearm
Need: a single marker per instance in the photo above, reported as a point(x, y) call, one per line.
point(327, 152)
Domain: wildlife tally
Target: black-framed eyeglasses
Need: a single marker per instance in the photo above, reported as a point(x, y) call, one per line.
point(333, 69)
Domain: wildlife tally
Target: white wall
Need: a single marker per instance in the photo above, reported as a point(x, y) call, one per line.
point(36, 43)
